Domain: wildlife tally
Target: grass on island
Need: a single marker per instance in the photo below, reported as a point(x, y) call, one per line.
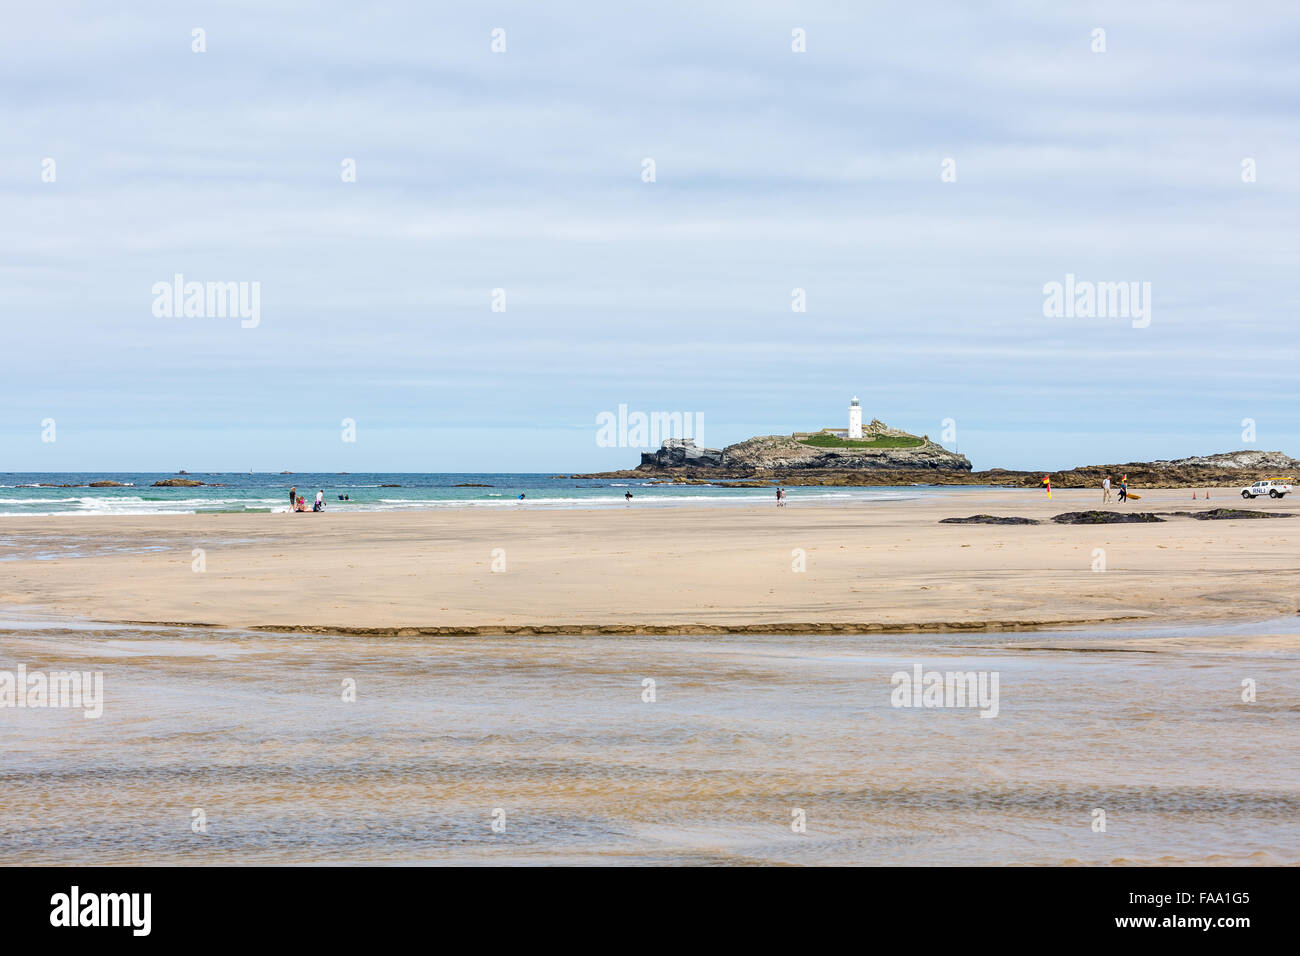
point(879, 441)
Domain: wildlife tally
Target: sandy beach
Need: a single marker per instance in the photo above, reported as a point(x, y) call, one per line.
point(867, 567)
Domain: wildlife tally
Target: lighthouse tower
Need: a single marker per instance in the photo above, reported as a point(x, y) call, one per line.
point(855, 418)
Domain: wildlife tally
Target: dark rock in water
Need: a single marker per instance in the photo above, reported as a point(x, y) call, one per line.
point(468, 484)
point(182, 472)
point(1216, 514)
point(1106, 517)
point(177, 483)
point(105, 484)
point(987, 519)
point(390, 486)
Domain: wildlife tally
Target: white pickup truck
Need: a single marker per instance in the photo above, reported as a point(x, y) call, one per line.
point(1273, 487)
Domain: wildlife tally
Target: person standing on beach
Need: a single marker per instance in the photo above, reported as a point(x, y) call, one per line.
point(320, 501)
point(1105, 490)
point(1123, 488)
point(293, 497)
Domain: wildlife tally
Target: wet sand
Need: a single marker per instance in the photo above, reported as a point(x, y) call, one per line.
point(1145, 725)
point(879, 566)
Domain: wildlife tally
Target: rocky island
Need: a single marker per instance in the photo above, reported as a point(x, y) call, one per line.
point(876, 454)
point(870, 454)
point(880, 449)
point(770, 460)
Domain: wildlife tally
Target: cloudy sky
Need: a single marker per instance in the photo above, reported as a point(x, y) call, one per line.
point(522, 170)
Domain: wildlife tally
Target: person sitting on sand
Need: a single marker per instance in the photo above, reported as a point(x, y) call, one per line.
point(300, 504)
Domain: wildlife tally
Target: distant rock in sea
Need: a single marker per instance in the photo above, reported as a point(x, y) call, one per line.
point(105, 484)
point(177, 483)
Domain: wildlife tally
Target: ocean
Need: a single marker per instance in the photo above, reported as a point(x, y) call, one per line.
point(42, 494)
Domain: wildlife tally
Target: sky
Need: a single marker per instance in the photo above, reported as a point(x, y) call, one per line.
point(921, 171)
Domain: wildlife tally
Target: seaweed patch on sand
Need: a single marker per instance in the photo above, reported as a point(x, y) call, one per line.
point(1106, 517)
point(987, 519)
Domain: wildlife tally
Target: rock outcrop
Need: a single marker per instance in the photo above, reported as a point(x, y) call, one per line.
point(785, 454)
point(177, 483)
point(1107, 517)
point(1221, 514)
point(681, 453)
point(1239, 460)
point(987, 519)
point(1226, 469)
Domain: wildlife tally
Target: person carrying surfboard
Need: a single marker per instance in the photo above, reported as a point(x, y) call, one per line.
point(1123, 488)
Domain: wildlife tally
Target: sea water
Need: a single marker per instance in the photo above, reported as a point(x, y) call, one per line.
point(40, 494)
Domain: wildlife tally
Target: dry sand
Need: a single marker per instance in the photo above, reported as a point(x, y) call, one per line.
point(869, 566)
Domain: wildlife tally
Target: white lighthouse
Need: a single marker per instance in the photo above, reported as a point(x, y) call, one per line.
point(855, 418)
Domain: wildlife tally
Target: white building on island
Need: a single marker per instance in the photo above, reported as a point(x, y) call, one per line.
point(855, 418)
point(854, 431)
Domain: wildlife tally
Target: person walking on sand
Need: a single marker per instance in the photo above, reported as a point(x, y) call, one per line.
point(1105, 490)
point(320, 501)
point(293, 498)
point(1123, 488)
